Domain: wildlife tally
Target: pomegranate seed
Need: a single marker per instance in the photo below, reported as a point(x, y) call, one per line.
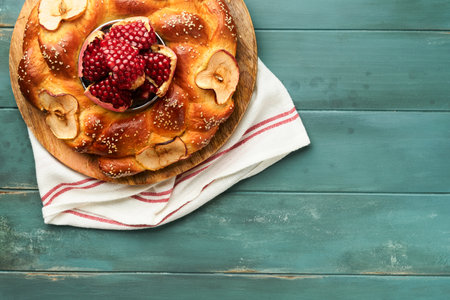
point(157, 67)
point(136, 34)
point(107, 92)
point(124, 61)
point(94, 67)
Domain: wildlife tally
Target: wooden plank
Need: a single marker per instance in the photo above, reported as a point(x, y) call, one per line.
point(17, 167)
point(6, 95)
point(217, 286)
point(351, 14)
point(351, 151)
point(341, 70)
point(361, 70)
point(246, 233)
point(324, 14)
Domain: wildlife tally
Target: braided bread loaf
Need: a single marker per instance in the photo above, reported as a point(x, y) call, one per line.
point(189, 110)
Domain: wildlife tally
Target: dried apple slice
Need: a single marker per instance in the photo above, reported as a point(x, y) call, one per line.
point(162, 155)
point(221, 75)
point(149, 159)
point(52, 12)
point(61, 114)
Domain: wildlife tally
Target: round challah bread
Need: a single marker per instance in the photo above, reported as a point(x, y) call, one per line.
point(90, 82)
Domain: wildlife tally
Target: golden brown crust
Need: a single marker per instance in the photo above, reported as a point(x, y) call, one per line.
point(168, 116)
point(125, 8)
point(120, 167)
point(180, 26)
point(32, 69)
point(187, 115)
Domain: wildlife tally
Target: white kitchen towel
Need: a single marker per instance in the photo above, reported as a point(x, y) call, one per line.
point(270, 129)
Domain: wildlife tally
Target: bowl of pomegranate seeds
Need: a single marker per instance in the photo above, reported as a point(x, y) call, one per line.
point(125, 66)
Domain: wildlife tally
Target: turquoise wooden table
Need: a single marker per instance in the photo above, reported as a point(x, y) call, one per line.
point(363, 213)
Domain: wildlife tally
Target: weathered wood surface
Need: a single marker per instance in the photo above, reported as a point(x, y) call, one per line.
point(217, 286)
point(246, 232)
point(324, 14)
point(359, 71)
point(368, 199)
point(6, 94)
point(397, 152)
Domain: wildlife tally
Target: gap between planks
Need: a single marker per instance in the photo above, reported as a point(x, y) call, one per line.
point(235, 273)
point(16, 191)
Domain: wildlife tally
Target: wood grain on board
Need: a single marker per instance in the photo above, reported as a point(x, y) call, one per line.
point(87, 164)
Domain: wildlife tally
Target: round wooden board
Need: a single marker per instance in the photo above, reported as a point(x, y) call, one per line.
point(87, 164)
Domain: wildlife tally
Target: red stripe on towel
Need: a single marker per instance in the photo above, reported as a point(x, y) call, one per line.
point(204, 188)
point(291, 119)
point(172, 213)
point(270, 120)
point(177, 182)
point(139, 198)
point(112, 222)
point(66, 184)
point(72, 188)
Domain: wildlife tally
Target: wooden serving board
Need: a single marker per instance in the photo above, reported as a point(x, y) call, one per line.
point(87, 164)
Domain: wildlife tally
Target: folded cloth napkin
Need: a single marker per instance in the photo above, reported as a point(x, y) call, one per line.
point(270, 129)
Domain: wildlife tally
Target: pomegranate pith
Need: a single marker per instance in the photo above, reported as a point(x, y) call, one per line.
point(145, 92)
